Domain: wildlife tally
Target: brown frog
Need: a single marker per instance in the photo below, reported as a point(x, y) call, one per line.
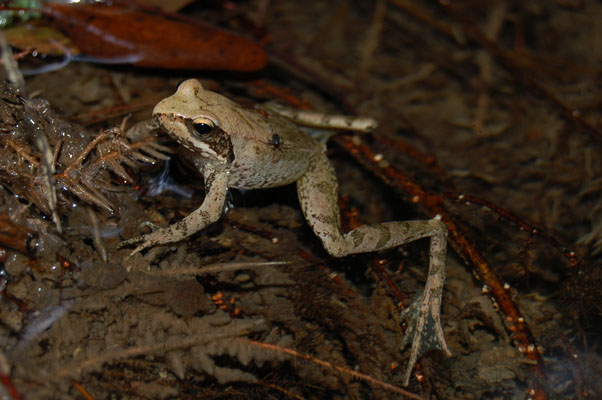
point(236, 147)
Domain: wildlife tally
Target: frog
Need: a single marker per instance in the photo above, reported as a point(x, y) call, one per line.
point(256, 148)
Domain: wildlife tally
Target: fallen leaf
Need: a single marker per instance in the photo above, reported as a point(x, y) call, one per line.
point(168, 6)
point(44, 39)
point(126, 34)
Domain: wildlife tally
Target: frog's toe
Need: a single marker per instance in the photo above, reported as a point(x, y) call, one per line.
point(424, 330)
point(128, 242)
point(146, 243)
point(139, 248)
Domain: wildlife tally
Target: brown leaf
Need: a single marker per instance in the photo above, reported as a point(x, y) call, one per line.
point(44, 39)
point(15, 236)
point(168, 6)
point(125, 34)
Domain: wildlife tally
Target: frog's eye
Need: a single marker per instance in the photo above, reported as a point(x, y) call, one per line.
point(202, 127)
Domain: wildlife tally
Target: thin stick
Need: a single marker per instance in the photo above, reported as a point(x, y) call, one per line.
point(221, 267)
point(328, 365)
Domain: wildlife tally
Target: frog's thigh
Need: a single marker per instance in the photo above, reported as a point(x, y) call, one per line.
point(318, 195)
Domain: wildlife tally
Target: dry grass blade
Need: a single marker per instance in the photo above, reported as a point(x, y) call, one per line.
point(84, 194)
point(109, 150)
point(96, 235)
point(113, 163)
point(24, 152)
point(142, 158)
point(11, 67)
point(47, 171)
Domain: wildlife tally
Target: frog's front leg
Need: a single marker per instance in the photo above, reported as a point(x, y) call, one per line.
point(318, 195)
point(141, 130)
point(216, 185)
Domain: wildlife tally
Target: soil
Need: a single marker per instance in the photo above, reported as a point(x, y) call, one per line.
point(499, 101)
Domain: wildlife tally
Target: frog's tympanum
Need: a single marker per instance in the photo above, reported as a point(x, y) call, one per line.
point(235, 147)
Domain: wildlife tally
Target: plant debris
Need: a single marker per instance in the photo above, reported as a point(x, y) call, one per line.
point(487, 114)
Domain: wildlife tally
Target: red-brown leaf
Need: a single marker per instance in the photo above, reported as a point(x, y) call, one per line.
point(113, 33)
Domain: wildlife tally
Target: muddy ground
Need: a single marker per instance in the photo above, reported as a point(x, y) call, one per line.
point(501, 99)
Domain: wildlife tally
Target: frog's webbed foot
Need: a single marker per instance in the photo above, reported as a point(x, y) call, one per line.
point(148, 240)
point(171, 234)
point(424, 328)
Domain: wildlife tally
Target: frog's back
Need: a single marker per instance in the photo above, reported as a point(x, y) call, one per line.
point(258, 149)
point(269, 150)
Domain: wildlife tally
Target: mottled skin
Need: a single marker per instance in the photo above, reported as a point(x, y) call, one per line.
point(252, 149)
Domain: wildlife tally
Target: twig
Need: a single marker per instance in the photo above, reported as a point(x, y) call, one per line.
point(485, 62)
point(82, 390)
point(507, 58)
point(532, 229)
point(327, 365)
point(434, 204)
point(210, 269)
point(282, 390)
point(5, 378)
point(372, 36)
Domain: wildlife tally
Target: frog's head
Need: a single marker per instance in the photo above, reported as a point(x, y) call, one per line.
point(190, 117)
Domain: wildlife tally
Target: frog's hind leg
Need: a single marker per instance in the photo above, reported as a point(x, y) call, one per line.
point(320, 120)
point(318, 196)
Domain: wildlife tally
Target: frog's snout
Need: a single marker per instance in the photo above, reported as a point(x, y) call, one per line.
point(160, 109)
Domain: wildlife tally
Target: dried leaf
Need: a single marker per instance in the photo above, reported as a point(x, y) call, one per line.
point(14, 236)
point(44, 39)
point(168, 6)
point(122, 34)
